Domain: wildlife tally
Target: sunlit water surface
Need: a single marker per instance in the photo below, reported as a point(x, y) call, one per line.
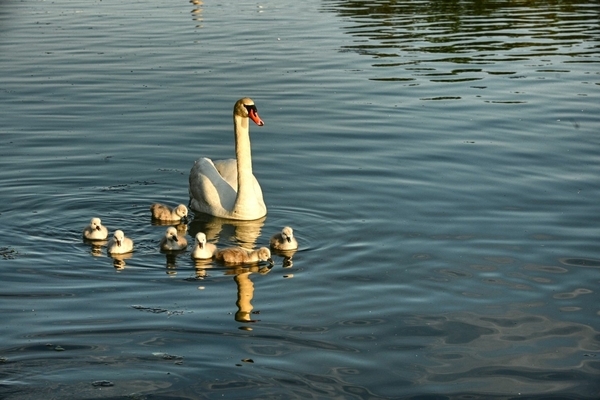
point(439, 162)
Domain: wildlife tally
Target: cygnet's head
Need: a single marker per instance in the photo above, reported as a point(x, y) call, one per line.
point(119, 236)
point(201, 239)
point(182, 211)
point(264, 254)
point(287, 234)
point(96, 224)
point(171, 233)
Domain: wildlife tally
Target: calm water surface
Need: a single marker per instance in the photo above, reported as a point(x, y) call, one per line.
point(439, 163)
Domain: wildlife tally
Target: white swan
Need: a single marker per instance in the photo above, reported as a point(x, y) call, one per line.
point(95, 230)
point(165, 213)
point(203, 250)
point(284, 240)
point(227, 188)
point(238, 255)
point(172, 241)
point(119, 244)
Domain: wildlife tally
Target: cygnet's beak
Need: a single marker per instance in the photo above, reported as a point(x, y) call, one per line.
point(253, 114)
point(289, 239)
point(201, 245)
point(270, 261)
point(97, 227)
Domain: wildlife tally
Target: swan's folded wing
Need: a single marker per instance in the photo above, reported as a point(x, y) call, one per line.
point(208, 190)
point(228, 171)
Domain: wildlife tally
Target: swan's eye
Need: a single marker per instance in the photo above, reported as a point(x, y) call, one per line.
point(250, 108)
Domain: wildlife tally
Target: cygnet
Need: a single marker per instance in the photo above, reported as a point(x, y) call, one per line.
point(171, 241)
point(237, 255)
point(203, 250)
point(95, 230)
point(284, 240)
point(119, 244)
point(165, 213)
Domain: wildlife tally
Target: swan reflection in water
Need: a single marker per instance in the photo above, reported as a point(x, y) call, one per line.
point(241, 233)
point(245, 291)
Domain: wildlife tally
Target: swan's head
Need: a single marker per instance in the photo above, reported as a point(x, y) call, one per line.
point(245, 108)
point(287, 234)
point(264, 254)
point(182, 211)
point(96, 224)
point(171, 234)
point(201, 239)
point(119, 236)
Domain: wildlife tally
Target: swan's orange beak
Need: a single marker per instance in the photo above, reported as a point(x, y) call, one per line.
point(254, 117)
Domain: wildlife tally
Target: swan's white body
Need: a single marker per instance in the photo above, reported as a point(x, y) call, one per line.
point(95, 230)
point(119, 244)
point(171, 241)
point(165, 213)
point(228, 188)
point(203, 250)
point(284, 240)
point(238, 255)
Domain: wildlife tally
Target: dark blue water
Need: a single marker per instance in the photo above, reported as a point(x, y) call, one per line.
point(438, 162)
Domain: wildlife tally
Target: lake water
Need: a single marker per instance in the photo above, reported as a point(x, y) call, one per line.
point(438, 161)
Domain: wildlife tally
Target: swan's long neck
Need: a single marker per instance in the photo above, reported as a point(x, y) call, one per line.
point(244, 162)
